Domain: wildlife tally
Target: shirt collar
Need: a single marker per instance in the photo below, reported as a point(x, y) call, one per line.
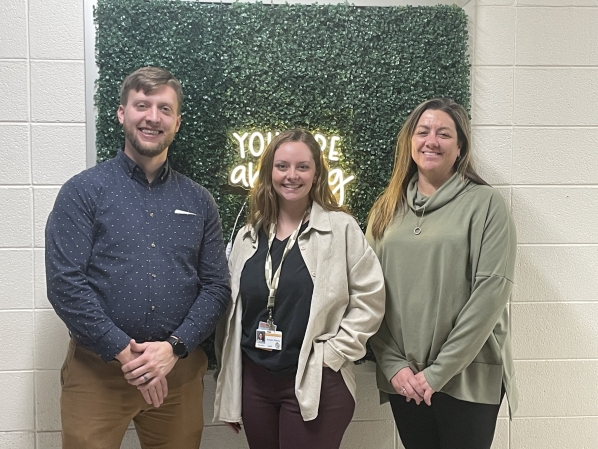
point(134, 170)
point(319, 220)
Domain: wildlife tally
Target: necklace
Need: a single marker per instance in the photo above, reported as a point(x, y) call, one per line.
point(418, 230)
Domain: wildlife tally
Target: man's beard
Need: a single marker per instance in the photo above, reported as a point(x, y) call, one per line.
point(154, 151)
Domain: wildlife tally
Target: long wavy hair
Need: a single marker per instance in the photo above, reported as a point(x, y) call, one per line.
point(394, 197)
point(263, 201)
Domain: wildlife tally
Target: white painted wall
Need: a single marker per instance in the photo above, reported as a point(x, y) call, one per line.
point(535, 111)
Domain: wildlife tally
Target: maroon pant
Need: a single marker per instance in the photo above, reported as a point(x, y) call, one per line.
point(272, 417)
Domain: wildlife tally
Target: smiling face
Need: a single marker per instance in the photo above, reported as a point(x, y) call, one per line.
point(150, 121)
point(293, 173)
point(435, 146)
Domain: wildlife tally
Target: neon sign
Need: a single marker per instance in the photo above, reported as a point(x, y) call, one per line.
point(251, 147)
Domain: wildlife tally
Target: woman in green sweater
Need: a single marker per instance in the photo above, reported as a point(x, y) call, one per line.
point(447, 244)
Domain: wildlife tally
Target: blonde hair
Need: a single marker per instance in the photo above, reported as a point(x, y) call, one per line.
point(263, 201)
point(394, 197)
point(148, 79)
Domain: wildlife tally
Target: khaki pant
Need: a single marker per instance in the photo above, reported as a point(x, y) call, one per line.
point(97, 404)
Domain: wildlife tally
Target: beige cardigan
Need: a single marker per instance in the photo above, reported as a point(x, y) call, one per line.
point(346, 309)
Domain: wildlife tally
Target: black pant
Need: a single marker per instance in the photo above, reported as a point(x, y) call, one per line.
point(271, 414)
point(448, 423)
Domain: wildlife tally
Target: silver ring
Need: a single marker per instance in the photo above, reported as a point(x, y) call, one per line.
point(145, 378)
point(404, 390)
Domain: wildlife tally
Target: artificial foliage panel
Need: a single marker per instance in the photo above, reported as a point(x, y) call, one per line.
point(351, 74)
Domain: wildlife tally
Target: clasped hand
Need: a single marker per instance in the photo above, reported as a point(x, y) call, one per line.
point(146, 365)
point(412, 386)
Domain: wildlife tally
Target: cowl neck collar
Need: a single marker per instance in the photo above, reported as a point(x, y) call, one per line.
point(451, 189)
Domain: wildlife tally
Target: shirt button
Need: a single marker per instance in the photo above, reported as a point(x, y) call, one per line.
point(313, 274)
point(303, 248)
point(153, 275)
point(153, 245)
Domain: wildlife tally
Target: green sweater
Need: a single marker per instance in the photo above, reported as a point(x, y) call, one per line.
point(447, 291)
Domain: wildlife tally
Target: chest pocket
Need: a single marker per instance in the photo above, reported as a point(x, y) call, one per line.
point(183, 232)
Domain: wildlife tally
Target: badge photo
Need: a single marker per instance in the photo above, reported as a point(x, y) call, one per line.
point(260, 338)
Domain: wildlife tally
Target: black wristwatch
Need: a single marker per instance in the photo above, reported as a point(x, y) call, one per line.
point(178, 347)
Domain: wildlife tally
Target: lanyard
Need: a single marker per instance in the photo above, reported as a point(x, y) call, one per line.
point(273, 279)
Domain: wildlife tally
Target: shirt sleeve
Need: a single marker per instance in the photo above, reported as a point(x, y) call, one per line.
point(490, 294)
point(389, 357)
point(69, 244)
point(214, 291)
point(366, 302)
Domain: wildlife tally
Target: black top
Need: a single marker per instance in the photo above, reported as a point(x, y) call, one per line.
point(126, 258)
point(291, 309)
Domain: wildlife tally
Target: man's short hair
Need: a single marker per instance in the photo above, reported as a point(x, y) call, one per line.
point(148, 79)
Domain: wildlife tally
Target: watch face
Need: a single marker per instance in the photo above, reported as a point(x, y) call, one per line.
point(178, 347)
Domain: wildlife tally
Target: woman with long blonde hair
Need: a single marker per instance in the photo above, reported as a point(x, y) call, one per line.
point(447, 244)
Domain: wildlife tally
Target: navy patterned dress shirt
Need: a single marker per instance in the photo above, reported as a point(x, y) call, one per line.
point(130, 259)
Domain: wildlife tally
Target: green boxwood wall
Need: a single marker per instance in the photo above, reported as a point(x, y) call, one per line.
point(335, 69)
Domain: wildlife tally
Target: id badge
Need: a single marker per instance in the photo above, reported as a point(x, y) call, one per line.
point(268, 340)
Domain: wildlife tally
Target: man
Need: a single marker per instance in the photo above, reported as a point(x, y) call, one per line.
point(136, 269)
